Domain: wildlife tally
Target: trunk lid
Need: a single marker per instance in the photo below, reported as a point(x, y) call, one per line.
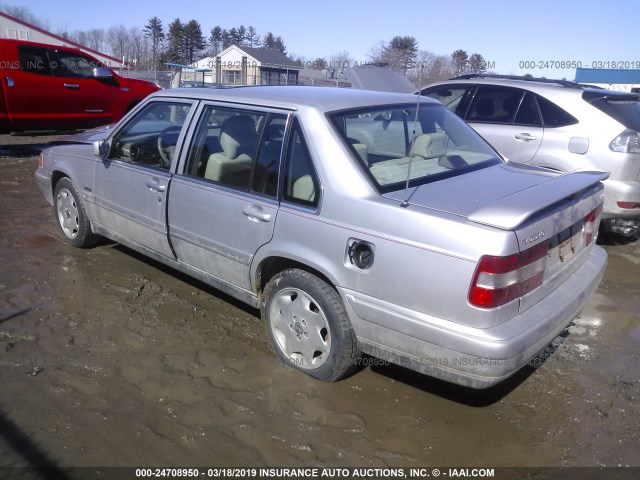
point(538, 205)
point(533, 202)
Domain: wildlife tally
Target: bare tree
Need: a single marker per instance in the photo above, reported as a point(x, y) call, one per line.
point(24, 14)
point(118, 41)
point(375, 53)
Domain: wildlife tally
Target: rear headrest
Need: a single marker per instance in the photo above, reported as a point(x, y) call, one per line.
point(238, 135)
point(430, 144)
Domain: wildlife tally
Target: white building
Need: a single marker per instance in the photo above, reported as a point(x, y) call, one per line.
point(240, 65)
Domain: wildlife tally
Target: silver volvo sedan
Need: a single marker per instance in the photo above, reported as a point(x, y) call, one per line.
point(358, 222)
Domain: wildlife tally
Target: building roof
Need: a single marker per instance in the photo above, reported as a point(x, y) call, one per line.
point(269, 58)
point(606, 75)
point(64, 42)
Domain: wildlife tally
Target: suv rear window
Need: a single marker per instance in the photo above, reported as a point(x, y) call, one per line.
point(623, 107)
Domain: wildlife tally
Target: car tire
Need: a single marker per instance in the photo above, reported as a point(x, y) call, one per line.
point(308, 325)
point(71, 216)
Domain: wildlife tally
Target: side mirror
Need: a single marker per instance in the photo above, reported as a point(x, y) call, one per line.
point(101, 149)
point(102, 72)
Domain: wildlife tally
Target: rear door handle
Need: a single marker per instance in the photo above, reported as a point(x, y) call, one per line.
point(526, 137)
point(256, 214)
point(154, 185)
point(71, 85)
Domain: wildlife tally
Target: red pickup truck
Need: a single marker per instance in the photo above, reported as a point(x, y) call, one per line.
point(49, 87)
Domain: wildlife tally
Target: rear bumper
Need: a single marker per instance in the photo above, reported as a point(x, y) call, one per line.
point(619, 191)
point(477, 358)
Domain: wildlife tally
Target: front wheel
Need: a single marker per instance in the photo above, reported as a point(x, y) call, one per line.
point(308, 325)
point(71, 215)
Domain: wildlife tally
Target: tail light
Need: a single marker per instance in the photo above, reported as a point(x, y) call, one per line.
point(627, 142)
point(498, 280)
point(628, 205)
point(591, 224)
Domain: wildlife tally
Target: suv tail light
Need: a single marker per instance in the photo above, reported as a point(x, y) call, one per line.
point(627, 142)
point(591, 224)
point(498, 280)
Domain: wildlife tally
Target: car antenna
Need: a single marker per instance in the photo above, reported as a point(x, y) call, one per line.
point(405, 202)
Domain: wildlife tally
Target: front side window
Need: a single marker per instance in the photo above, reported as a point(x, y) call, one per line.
point(151, 136)
point(450, 96)
point(74, 65)
point(392, 143)
point(238, 148)
point(494, 105)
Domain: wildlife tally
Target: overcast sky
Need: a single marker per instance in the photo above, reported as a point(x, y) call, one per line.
point(506, 33)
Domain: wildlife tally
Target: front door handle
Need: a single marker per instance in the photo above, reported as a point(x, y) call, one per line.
point(526, 137)
point(154, 185)
point(72, 85)
point(256, 214)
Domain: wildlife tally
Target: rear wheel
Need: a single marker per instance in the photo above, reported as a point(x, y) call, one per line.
point(71, 215)
point(308, 325)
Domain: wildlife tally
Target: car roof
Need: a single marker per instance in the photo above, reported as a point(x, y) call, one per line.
point(533, 85)
point(541, 86)
point(324, 99)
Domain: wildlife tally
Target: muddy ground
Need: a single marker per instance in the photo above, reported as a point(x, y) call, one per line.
point(110, 359)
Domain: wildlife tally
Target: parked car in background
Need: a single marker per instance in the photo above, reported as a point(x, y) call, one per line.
point(357, 221)
point(560, 125)
point(47, 87)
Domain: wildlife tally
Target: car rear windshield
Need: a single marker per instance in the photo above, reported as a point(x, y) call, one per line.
point(393, 143)
point(623, 107)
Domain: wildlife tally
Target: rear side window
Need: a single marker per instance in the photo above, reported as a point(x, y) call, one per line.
point(528, 113)
point(301, 183)
point(553, 115)
point(34, 60)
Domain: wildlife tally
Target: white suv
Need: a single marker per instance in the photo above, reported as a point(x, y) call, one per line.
point(559, 125)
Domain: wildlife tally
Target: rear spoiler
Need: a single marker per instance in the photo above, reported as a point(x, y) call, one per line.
point(512, 211)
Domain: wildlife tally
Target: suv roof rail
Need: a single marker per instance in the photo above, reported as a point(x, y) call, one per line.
point(529, 78)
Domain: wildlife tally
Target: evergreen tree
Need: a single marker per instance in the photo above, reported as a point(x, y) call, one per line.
point(459, 62)
point(175, 37)
point(215, 41)
point(153, 31)
point(400, 53)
